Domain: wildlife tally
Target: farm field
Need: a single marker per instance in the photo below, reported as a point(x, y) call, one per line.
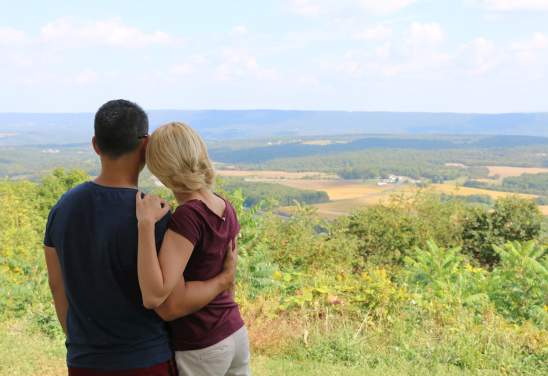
point(347, 195)
point(338, 189)
point(507, 171)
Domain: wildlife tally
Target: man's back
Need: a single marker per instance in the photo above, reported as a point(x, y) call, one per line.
point(94, 230)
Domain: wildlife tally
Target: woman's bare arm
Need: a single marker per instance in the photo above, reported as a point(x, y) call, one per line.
point(158, 274)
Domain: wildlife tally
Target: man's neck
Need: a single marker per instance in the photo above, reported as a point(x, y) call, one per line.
point(118, 173)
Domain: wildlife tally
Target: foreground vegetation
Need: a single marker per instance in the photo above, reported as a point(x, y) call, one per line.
point(420, 285)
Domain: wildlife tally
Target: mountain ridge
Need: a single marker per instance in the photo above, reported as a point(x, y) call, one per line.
point(62, 128)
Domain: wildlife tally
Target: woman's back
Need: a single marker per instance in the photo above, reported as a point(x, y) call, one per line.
point(211, 230)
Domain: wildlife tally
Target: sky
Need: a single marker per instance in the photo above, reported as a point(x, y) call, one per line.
point(355, 55)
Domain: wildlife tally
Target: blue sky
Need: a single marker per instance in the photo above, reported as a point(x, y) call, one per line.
point(394, 55)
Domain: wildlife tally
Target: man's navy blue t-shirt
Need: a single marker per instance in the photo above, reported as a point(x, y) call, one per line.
point(94, 230)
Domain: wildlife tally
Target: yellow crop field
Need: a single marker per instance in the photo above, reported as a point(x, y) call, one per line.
point(347, 196)
point(349, 189)
point(467, 191)
point(506, 171)
point(336, 189)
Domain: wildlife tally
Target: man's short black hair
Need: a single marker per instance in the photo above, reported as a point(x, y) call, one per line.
point(119, 126)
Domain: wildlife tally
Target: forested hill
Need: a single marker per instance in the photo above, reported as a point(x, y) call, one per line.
point(261, 154)
point(19, 129)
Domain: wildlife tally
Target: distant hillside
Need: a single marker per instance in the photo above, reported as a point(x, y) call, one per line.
point(18, 129)
point(296, 149)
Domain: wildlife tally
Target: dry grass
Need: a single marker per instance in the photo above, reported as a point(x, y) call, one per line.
point(336, 189)
point(369, 193)
point(467, 191)
point(23, 353)
point(347, 196)
point(269, 331)
point(506, 171)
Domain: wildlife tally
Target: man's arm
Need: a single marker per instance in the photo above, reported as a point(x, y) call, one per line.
point(57, 286)
point(189, 297)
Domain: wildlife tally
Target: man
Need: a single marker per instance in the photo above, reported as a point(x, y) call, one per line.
point(91, 255)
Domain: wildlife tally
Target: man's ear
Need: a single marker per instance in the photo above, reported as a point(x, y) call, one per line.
point(95, 147)
point(144, 145)
point(143, 149)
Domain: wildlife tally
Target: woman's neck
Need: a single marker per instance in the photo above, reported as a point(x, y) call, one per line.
point(204, 195)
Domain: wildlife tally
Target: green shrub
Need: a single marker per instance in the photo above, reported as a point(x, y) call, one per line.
point(512, 219)
point(387, 233)
point(446, 275)
point(519, 284)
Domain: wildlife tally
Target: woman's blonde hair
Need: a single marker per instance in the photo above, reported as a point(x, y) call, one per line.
point(177, 155)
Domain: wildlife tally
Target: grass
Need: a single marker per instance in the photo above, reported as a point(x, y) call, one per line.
point(264, 366)
point(27, 353)
point(24, 352)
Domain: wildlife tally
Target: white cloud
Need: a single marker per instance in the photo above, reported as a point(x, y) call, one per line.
point(481, 56)
point(514, 5)
point(11, 36)
point(189, 66)
point(538, 41)
point(351, 65)
point(182, 69)
point(111, 32)
point(425, 34)
point(384, 52)
point(532, 51)
point(307, 80)
point(85, 77)
point(522, 60)
point(310, 8)
point(239, 30)
point(238, 64)
point(384, 6)
point(421, 52)
point(379, 32)
point(307, 7)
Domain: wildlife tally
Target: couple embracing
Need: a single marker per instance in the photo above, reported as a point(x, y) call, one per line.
point(121, 264)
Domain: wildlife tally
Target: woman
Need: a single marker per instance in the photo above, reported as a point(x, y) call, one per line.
point(212, 341)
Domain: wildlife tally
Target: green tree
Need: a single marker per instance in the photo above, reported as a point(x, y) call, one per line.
point(511, 219)
point(55, 185)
